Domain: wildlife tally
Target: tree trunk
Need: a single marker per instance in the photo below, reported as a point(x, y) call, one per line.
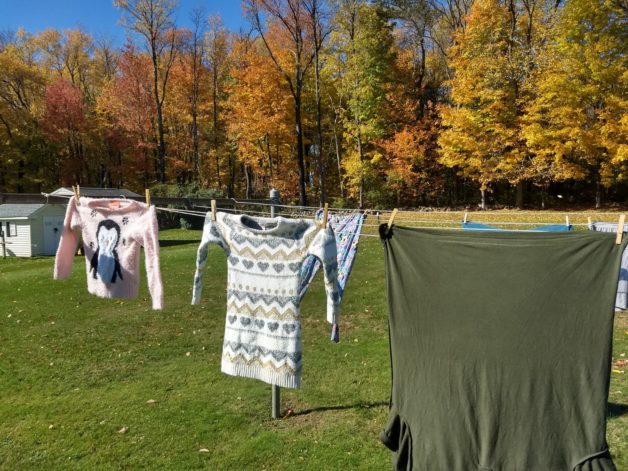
point(231, 180)
point(361, 156)
point(319, 131)
point(342, 188)
point(195, 92)
point(598, 193)
point(247, 176)
point(20, 176)
point(519, 195)
point(300, 156)
point(161, 145)
point(483, 200)
point(215, 123)
point(270, 161)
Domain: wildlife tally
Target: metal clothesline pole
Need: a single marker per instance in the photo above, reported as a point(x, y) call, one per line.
point(275, 390)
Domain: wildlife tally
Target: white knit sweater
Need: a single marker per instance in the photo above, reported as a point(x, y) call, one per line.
point(262, 328)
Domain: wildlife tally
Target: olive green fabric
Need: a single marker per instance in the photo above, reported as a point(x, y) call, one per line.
point(500, 348)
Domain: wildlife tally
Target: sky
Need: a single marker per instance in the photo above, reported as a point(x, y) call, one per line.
point(99, 17)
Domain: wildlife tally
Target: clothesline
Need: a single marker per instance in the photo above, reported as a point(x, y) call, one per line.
point(408, 221)
point(425, 221)
point(461, 211)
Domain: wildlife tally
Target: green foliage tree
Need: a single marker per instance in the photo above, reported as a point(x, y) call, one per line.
point(360, 60)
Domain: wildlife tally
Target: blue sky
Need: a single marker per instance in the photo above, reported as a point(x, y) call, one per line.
point(99, 17)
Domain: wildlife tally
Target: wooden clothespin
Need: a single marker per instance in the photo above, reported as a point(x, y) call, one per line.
point(77, 192)
point(390, 221)
point(324, 221)
point(620, 229)
point(213, 205)
point(466, 217)
point(147, 197)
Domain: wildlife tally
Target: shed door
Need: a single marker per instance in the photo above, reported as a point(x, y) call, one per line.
point(52, 233)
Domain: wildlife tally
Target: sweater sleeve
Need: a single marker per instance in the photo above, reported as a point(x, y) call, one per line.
point(68, 242)
point(211, 235)
point(324, 248)
point(147, 234)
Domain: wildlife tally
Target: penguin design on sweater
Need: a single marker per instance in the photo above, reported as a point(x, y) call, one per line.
point(105, 262)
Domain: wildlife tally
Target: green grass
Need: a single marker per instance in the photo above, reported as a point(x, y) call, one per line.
point(75, 369)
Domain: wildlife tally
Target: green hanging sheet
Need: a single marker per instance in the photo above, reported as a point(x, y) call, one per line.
point(500, 349)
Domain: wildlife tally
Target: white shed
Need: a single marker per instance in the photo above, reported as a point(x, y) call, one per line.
point(31, 229)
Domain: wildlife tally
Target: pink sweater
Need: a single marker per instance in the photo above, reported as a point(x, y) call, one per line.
point(112, 232)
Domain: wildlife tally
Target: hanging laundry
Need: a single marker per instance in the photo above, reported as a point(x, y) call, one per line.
point(264, 258)
point(500, 345)
point(111, 231)
point(621, 301)
point(548, 228)
point(347, 231)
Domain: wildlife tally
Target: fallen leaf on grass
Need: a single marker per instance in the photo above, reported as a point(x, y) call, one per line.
point(123, 430)
point(151, 401)
point(203, 450)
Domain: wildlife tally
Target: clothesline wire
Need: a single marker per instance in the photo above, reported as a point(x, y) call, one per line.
point(461, 211)
point(496, 223)
point(360, 234)
point(381, 213)
point(424, 221)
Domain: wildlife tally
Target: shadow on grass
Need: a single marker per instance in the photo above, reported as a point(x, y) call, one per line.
point(172, 243)
point(616, 410)
point(359, 405)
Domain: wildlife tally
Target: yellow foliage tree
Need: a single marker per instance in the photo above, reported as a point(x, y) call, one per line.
point(490, 59)
point(260, 118)
point(577, 125)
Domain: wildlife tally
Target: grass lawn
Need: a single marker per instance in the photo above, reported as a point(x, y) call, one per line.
point(76, 369)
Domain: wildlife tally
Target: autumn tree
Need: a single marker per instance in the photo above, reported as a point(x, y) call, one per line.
point(22, 94)
point(218, 49)
point(482, 124)
point(289, 17)
point(152, 20)
point(196, 50)
point(577, 124)
point(260, 118)
point(64, 122)
point(127, 106)
point(319, 30)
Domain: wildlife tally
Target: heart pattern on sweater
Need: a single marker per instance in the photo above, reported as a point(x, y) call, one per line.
point(248, 264)
point(289, 328)
point(294, 266)
point(278, 267)
point(273, 326)
point(245, 321)
point(234, 260)
point(262, 266)
point(232, 318)
point(259, 323)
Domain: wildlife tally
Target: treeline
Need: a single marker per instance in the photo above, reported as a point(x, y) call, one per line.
point(369, 103)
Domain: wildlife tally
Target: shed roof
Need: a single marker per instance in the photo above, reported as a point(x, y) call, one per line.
point(95, 192)
point(18, 211)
